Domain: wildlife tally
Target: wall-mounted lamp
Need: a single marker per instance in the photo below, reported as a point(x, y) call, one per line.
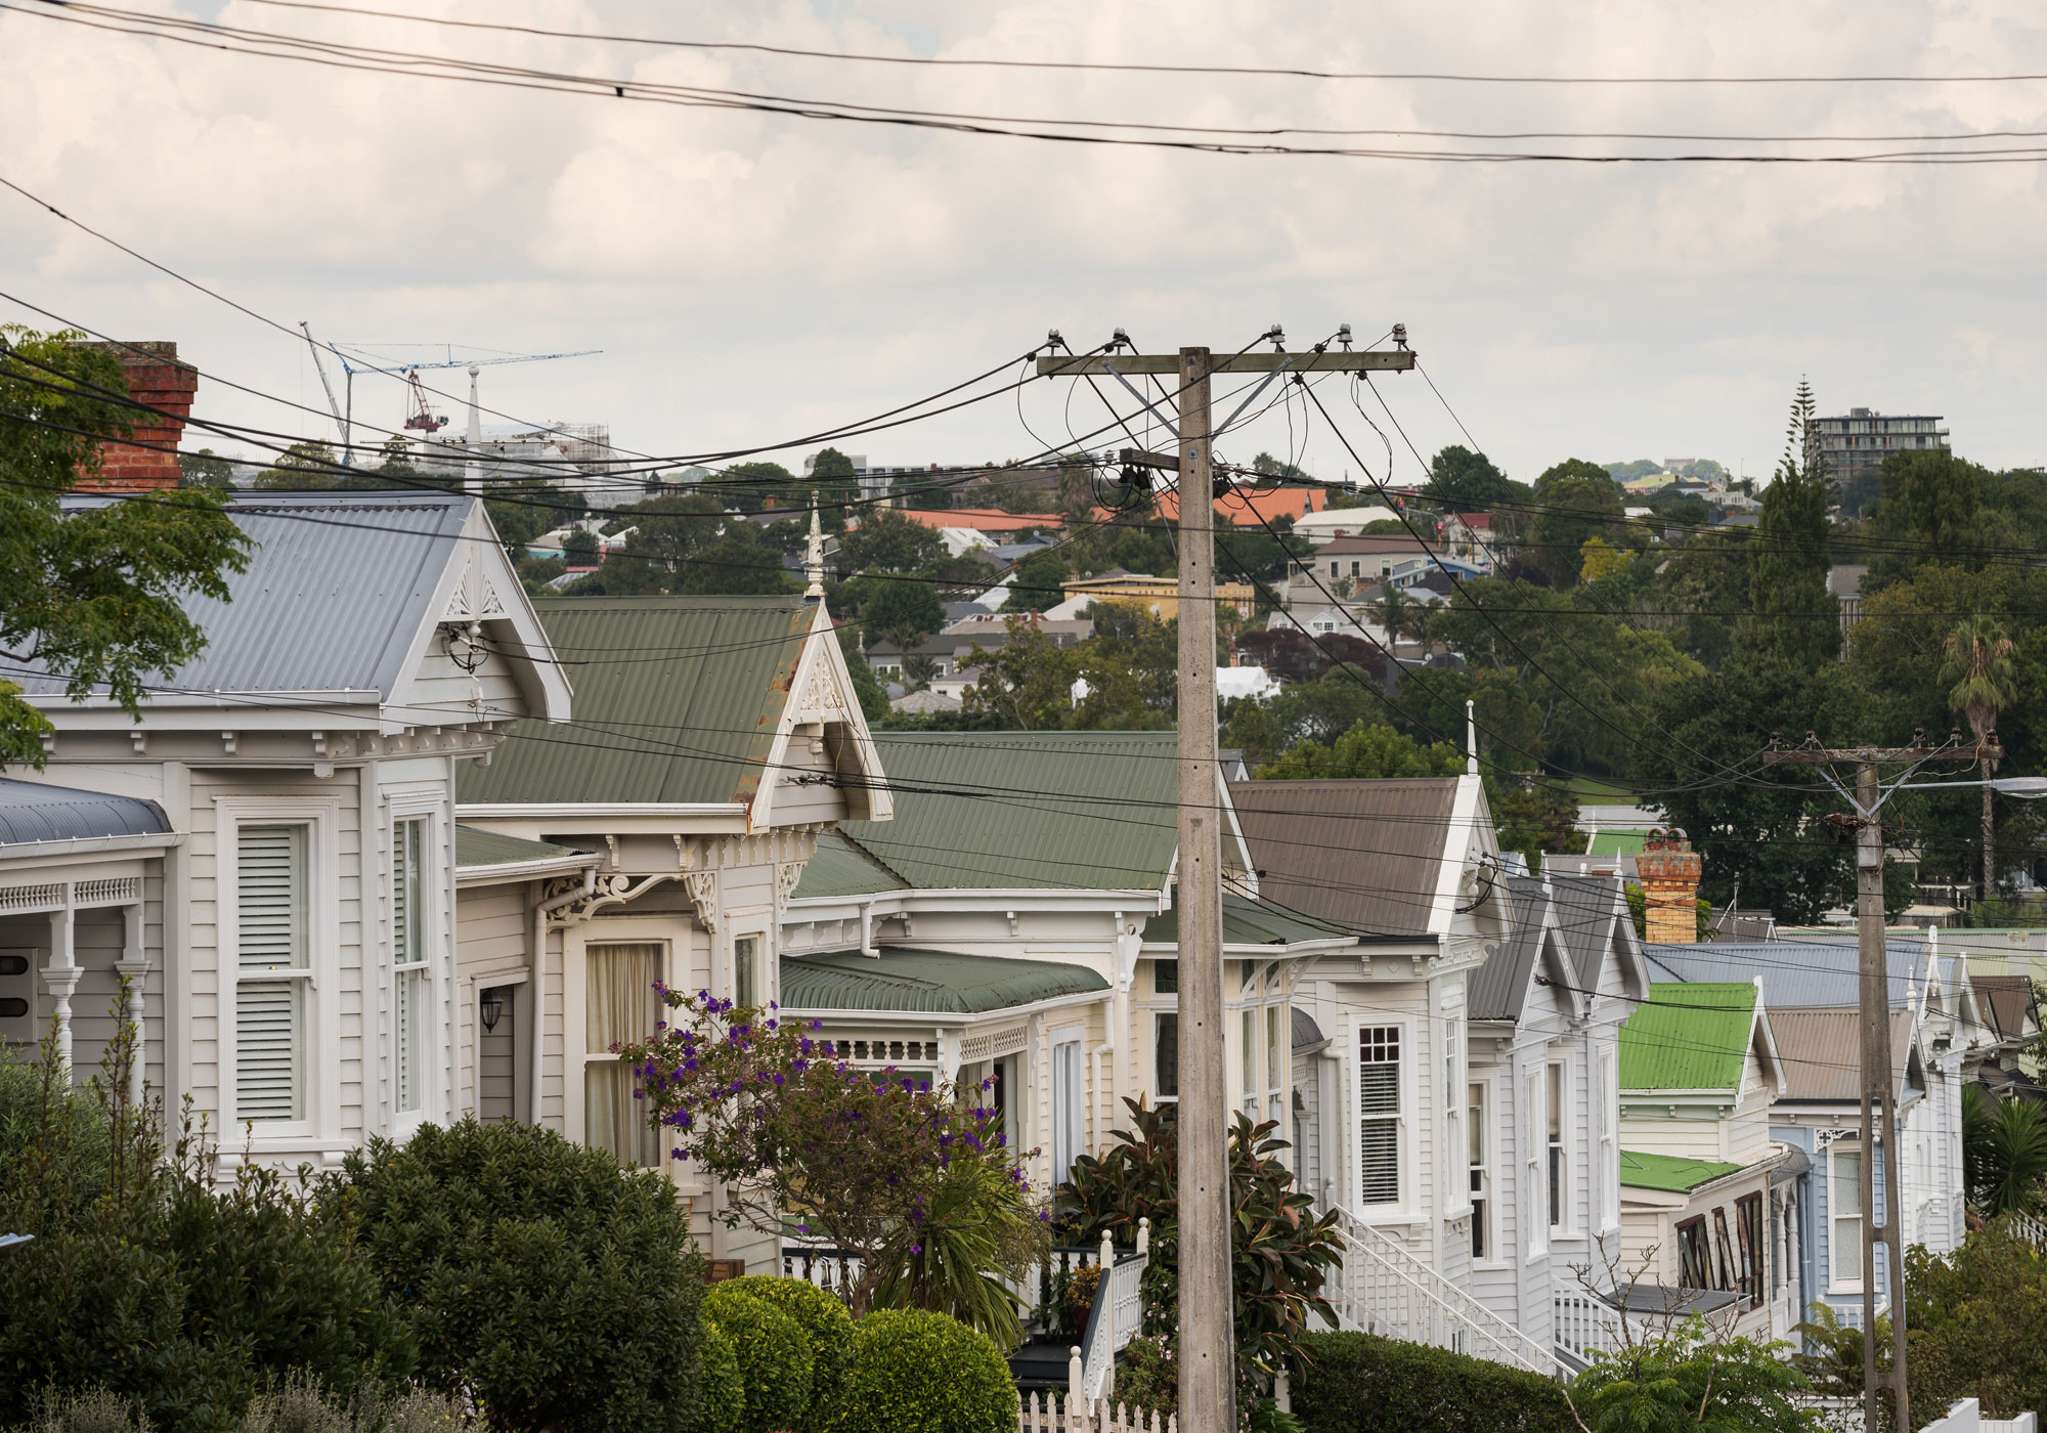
point(493, 1008)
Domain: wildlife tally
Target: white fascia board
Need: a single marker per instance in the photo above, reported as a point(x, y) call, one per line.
point(608, 818)
point(1661, 1200)
point(511, 871)
point(1442, 910)
point(941, 1020)
point(212, 711)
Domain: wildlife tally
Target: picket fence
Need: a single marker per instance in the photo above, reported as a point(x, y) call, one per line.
point(1965, 1417)
point(1063, 1413)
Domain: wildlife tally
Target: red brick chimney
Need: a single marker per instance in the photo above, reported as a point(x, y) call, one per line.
point(1669, 870)
point(156, 378)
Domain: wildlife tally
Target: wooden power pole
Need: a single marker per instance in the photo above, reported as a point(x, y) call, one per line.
point(1879, 1098)
point(1207, 1366)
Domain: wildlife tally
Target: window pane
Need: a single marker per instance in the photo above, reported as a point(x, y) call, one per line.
point(612, 1117)
point(746, 972)
point(409, 995)
point(1165, 977)
point(1848, 1180)
point(1556, 1102)
point(1274, 1049)
point(621, 1005)
point(1166, 1056)
point(269, 1046)
point(1247, 1026)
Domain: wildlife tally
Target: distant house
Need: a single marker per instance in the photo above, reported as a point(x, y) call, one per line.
point(1327, 523)
point(1246, 507)
point(1158, 595)
point(1703, 1186)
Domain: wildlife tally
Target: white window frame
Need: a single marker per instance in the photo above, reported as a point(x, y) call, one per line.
point(1456, 1141)
point(1835, 1284)
point(1560, 1222)
point(1534, 1151)
point(1403, 1120)
point(764, 992)
point(1069, 1116)
point(1609, 1178)
point(1158, 1017)
point(428, 959)
point(319, 1123)
point(612, 930)
point(1488, 1156)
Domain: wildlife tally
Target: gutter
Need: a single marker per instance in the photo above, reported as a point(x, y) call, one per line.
point(83, 845)
point(523, 870)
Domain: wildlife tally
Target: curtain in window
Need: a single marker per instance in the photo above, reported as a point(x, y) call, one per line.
point(620, 1007)
point(1845, 1200)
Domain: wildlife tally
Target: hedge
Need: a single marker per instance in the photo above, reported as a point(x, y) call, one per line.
point(1360, 1383)
point(774, 1358)
point(917, 1372)
point(825, 1323)
point(718, 1380)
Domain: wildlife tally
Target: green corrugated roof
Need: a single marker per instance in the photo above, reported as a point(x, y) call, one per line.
point(676, 700)
point(1246, 922)
point(1617, 843)
point(474, 847)
point(1005, 809)
point(1688, 1037)
point(926, 981)
point(1670, 1173)
point(841, 868)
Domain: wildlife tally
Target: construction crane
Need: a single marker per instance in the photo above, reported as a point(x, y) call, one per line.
point(419, 415)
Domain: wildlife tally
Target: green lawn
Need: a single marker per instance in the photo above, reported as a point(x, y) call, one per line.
point(1589, 789)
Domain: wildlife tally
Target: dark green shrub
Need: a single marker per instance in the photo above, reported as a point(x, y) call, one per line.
point(917, 1372)
point(1360, 1383)
point(724, 1394)
point(1148, 1375)
point(825, 1323)
point(774, 1358)
point(541, 1280)
point(148, 1280)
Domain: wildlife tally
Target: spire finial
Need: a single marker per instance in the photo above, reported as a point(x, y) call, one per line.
point(1470, 738)
point(813, 560)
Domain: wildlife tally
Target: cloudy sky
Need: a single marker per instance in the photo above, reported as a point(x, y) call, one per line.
point(752, 277)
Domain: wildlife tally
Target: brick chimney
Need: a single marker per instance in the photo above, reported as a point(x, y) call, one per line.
point(1669, 870)
point(154, 377)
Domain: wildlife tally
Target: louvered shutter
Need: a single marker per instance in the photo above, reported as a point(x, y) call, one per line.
point(270, 929)
point(1379, 1114)
point(408, 957)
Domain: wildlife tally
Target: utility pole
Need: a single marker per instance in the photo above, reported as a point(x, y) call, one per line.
point(1879, 1102)
point(1207, 1386)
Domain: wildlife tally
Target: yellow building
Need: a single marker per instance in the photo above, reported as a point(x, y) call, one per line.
point(1161, 595)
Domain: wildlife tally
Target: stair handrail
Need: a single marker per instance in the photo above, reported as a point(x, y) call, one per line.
point(1462, 1307)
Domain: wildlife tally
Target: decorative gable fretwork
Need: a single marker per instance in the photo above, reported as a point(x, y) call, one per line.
point(475, 598)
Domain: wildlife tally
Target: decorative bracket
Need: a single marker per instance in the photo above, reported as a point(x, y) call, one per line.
point(702, 889)
point(608, 891)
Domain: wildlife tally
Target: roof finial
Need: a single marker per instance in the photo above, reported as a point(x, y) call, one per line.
point(813, 560)
point(1470, 738)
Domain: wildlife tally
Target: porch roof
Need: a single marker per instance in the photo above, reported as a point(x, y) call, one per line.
point(1670, 1173)
point(477, 850)
point(935, 982)
point(1247, 922)
point(33, 811)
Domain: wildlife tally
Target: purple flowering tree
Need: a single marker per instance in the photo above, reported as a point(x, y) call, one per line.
point(913, 1177)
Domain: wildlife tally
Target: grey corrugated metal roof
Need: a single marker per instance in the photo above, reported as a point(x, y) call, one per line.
point(1795, 974)
point(694, 727)
point(841, 868)
point(335, 592)
point(1005, 809)
point(1246, 922)
point(1499, 988)
point(1817, 1049)
point(1587, 907)
point(476, 848)
point(32, 811)
point(2006, 1002)
point(934, 982)
point(1361, 854)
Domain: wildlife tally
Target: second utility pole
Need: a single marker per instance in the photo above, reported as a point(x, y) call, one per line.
point(1879, 1097)
point(1208, 1382)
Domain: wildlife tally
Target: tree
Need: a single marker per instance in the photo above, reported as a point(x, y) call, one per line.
point(1599, 559)
point(1795, 618)
point(1977, 1322)
point(877, 1163)
point(1464, 481)
point(1979, 663)
point(1577, 500)
point(2004, 1152)
point(833, 484)
point(302, 467)
point(866, 685)
point(1397, 613)
point(205, 469)
point(1690, 1379)
point(886, 541)
point(901, 612)
point(1267, 466)
point(579, 548)
point(96, 596)
point(1372, 751)
point(1037, 583)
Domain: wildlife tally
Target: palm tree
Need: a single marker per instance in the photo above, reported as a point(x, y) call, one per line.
point(2004, 1151)
point(1395, 613)
point(1980, 666)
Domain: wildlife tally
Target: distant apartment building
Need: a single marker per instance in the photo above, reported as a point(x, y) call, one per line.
point(1854, 446)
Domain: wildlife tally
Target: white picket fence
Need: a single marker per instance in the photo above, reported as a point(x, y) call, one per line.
point(1967, 1417)
point(1056, 1413)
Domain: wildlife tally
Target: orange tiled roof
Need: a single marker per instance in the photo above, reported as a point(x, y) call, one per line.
point(981, 519)
point(1243, 508)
